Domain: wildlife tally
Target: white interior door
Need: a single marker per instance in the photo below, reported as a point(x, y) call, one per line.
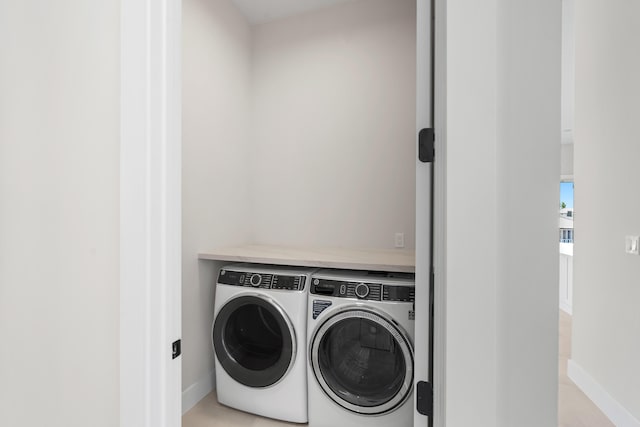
point(424, 175)
point(150, 206)
point(431, 209)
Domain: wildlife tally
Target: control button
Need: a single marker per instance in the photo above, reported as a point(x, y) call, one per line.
point(316, 282)
point(362, 290)
point(241, 281)
point(343, 289)
point(255, 280)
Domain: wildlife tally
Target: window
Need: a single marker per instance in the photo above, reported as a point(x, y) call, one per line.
point(566, 212)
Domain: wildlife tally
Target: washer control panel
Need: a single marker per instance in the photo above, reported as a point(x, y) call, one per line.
point(255, 279)
point(362, 290)
point(261, 280)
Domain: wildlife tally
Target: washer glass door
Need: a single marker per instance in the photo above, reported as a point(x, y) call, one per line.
point(362, 361)
point(254, 340)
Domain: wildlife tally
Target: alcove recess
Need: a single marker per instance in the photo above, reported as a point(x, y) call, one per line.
point(299, 136)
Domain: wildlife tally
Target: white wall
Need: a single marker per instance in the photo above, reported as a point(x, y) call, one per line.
point(503, 133)
point(568, 88)
point(566, 160)
point(568, 71)
point(529, 39)
point(566, 277)
point(471, 371)
point(59, 246)
point(606, 292)
point(216, 199)
point(334, 126)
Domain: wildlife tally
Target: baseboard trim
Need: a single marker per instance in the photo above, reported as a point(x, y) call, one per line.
point(617, 413)
point(197, 391)
point(566, 307)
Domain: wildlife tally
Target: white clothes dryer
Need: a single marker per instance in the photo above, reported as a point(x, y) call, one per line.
point(361, 360)
point(259, 340)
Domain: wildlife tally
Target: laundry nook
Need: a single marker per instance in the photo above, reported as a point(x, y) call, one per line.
point(300, 293)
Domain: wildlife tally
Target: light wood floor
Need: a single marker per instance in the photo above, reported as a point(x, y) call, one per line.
point(209, 413)
point(575, 409)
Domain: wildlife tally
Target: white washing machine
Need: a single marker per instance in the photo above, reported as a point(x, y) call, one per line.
point(259, 340)
point(360, 333)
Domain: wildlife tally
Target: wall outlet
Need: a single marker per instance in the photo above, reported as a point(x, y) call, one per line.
point(632, 245)
point(399, 240)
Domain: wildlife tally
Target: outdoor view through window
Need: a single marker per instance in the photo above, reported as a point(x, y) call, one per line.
point(566, 212)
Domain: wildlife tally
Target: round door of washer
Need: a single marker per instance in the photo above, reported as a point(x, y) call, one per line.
point(254, 340)
point(362, 361)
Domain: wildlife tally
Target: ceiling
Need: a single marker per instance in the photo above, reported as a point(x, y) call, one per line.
point(259, 11)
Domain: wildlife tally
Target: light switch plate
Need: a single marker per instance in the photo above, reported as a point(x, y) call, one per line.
point(632, 245)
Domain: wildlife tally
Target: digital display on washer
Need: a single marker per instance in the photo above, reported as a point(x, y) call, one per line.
point(228, 277)
point(294, 283)
point(398, 293)
point(324, 287)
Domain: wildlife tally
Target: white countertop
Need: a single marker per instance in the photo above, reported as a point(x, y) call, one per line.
point(396, 260)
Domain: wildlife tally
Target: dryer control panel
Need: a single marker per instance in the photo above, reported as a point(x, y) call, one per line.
point(362, 290)
point(261, 280)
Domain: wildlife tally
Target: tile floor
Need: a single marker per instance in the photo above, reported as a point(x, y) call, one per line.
point(575, 409)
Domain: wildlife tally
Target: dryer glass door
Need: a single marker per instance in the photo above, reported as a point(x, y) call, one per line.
point(363, 362)
point(254, 340)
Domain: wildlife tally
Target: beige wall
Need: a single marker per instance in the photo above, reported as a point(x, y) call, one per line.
point(59, 246)
point(333, 139)
point(215, 172)
point(606, 323)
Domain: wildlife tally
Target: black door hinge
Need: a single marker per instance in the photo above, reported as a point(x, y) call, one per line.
point(426, 145)
point(424, 401)
point(176, 349)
